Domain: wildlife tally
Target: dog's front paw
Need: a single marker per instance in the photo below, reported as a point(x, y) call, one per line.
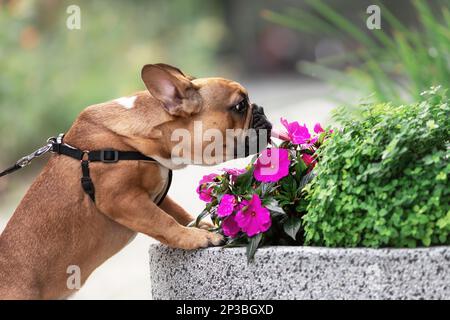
point(195, 238)
point(205, 225)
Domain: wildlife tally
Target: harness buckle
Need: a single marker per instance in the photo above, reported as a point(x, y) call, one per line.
point(109, 156)
point(55, 143)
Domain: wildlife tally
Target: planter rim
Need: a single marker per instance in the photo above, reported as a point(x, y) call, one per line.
point(300, 272)
point(157, 246)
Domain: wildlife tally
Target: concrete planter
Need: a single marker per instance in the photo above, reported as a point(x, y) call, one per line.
point(300, 273)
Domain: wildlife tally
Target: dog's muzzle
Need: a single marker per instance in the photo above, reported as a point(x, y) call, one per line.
point(262, 127)
point(259, 120)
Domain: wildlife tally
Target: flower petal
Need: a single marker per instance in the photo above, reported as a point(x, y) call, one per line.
point(318, 128)
point(230, 227)
point(255, 219)
point(272, 165)
point(226, 205)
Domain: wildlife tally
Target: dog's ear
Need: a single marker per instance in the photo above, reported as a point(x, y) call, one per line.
point(174, 71)
point(178, 95)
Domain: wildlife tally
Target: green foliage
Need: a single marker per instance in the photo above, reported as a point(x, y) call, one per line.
point(253, 244)
point(384, 180)
point(394, 66)
point(292, 226)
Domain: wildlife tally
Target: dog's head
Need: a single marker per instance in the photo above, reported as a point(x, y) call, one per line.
point(212, 119)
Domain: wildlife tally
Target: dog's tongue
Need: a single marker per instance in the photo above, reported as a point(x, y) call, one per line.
point(279, 135)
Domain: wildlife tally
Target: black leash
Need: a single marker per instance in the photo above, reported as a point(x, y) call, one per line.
point(11, 169)
point(56, 145)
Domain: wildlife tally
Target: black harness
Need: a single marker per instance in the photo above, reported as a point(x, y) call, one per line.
point(108, 156)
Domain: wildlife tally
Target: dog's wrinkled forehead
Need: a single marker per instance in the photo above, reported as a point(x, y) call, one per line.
point(220, 87)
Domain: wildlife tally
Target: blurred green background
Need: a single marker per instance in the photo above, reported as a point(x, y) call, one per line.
point(407, 55)
point(50, 73)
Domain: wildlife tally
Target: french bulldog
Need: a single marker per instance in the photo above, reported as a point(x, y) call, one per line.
point(57, 225)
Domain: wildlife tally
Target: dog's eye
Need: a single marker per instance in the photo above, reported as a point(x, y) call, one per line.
point(241, 106)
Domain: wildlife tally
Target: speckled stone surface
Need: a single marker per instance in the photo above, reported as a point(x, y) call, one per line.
point(300, 273)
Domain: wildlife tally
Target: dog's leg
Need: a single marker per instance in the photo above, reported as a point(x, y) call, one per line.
point(176, 211)
point(137, 212)
point(182, 216)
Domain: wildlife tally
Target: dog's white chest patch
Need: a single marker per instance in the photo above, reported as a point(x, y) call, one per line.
point(126, 102)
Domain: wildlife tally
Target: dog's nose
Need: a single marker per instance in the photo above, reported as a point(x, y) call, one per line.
point(257, 109)
point(259, 119)
point(262, 126)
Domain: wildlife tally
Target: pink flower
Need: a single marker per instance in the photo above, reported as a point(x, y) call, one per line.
point(318, 128)
point(230, 227)
point(280, 135)
point(226, 205)
point(308, 159)
point(203, 191)
point(234, 172)
point(297, 134)
point(312, 142)
point(272, 165)
point(253, 218)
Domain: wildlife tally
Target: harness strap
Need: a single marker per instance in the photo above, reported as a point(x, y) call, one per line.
point(86, 181)
point(56, 145)
point(105, 156)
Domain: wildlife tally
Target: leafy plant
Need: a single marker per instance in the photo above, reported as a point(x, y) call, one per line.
point(384, 180)
point(395, 66)
point(264, 203)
